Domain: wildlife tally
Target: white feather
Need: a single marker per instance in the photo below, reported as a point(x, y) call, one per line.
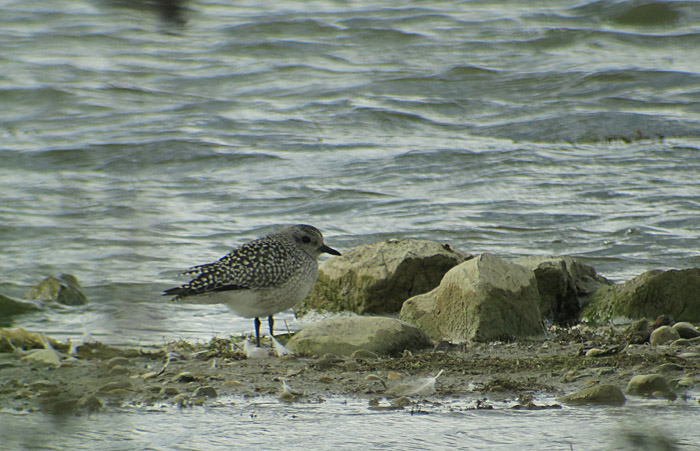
point(280, 349)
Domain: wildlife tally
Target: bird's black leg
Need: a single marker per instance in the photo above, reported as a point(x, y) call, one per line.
point(257, 331)
point(271, 323)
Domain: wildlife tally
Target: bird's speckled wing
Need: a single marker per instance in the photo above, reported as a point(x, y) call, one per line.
point(252, 266)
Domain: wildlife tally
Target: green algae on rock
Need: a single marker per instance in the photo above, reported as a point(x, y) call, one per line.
point(675, 293)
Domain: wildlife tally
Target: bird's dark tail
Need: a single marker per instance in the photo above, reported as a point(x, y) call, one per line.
point(174, 292)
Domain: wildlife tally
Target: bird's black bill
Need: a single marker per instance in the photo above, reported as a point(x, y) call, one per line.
point(328, 250)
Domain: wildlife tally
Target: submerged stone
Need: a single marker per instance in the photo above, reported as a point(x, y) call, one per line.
point(64, 289)
point(603, 394)
point(11, 306)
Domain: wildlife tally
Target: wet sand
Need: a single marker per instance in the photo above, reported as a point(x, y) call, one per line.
point(101, 377)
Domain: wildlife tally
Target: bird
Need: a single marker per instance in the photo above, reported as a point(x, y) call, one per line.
point(260, 278)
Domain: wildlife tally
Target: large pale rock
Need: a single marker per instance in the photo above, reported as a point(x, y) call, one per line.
point(377, 278)
point(482, 299)
point(343, 336)
point(564, 285)
point(675, 293)
point(64, 289)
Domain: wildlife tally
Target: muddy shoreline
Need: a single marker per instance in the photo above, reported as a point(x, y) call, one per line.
point(101, 378)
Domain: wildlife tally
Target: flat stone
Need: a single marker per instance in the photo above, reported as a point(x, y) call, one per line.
point(343, 336)
point(603, 394)
point(668, 368)
point(686, 330)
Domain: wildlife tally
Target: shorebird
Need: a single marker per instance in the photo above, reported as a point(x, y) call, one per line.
point(260, 278)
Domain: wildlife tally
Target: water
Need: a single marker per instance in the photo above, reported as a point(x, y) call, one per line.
point(136, 142)
point(348, 424)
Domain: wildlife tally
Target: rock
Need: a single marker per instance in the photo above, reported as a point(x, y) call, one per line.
point(343, 336)
point(609, 395)
point(205, 391)
point(20, 338)
point(377, 278)
point(119, 370)
point(638, 332)
point(63, 289)
point(686, 330)
point(681, 343)
point(184, 377)
point(169, 391)
point(564, 285)
point(364, 356)
point(668, 368)
point(686, 382)
point(482, 299)
point(115, 386)
point(11, 306)
point(647, 385)
point(675, 293)
point(117, 361)
point(663, 335)
point(89, 403)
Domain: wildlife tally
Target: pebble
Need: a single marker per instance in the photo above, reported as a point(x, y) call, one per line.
point(686, 330)
point(686, 382)
point(110, 387)
point(181, 400)
point(185, 376)
point(90, 403)
point(681, 343)
point(169, 391)
point(648, 385)
point(668, 368)
point(118, 370)
point(114, 361)
point(365, 356)
point(205, 391)
point(663, 335)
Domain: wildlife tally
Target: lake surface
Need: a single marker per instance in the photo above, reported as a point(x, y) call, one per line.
point(137, 141)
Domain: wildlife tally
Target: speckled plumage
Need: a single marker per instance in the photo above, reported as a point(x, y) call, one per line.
point(262, 277)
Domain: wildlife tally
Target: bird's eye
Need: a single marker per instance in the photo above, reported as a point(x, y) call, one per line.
point(305, 239)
